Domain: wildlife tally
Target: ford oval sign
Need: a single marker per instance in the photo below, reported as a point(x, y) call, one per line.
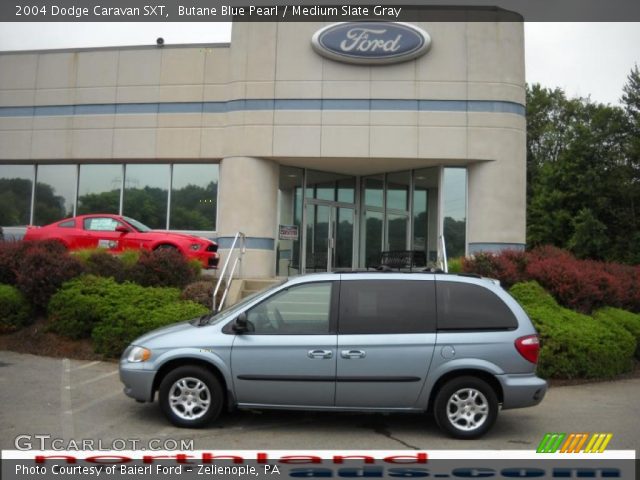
point(371, 42)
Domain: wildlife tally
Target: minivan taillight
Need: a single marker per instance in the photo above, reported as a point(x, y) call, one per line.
point(529, 347)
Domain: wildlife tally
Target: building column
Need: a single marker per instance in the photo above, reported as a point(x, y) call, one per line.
point(247, 202)
point(496, 213)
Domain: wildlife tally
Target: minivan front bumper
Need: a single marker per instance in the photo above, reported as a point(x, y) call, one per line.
point(138, 383)
point(522, 390)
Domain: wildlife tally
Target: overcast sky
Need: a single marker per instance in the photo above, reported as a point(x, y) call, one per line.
point(585, 59)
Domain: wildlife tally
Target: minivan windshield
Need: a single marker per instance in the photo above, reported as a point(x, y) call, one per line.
point(238, 306)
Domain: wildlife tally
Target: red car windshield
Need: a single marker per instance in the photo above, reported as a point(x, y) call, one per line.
point(141, 227)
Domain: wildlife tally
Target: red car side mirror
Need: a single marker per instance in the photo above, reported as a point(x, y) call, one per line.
point(122, 229)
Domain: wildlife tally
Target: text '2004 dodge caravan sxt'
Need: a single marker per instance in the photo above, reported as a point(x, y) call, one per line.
point(382, 342)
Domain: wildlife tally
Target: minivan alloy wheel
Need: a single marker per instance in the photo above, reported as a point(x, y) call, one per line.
point(468, 409)
point(465, 407)
point(189, 398)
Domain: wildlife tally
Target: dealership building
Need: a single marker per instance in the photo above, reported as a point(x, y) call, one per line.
point(325, 144)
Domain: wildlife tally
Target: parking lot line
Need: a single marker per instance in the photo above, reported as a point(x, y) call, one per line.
point(65, 400)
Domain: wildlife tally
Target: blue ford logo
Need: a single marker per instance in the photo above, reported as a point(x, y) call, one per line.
point(371, 42)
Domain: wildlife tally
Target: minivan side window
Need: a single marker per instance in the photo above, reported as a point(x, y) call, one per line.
point(465, 306)
point(387, 306)
point(299, 310)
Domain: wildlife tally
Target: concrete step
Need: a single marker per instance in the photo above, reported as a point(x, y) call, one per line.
point(258, 283)
point(245, 293)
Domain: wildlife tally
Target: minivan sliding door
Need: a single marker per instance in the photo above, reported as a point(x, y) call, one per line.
point(386, 339)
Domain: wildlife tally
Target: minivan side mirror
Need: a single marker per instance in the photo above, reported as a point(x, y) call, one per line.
point(241, 324)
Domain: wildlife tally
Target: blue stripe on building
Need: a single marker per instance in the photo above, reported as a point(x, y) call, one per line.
point(482, 106)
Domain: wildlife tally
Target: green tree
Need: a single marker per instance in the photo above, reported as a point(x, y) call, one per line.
point(589, 237)
point(582, 180)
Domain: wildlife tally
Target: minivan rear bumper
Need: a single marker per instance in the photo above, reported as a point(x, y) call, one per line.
point(522, 390)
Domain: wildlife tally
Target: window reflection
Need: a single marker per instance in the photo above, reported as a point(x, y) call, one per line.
point(455, 211)
point(16, 183)
point(330, 186)
point(373, 191)
point(145, 194)
point(99, 189)
point(398, 191)
point(425, 211)
point(290, 207)
point(194, 197)
point(55, 193)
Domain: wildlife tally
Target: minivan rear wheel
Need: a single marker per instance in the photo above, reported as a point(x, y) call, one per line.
point(465, 407)
point(191, 396)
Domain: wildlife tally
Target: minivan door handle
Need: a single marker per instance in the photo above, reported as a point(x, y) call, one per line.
point(353, 354)
point(320, 354)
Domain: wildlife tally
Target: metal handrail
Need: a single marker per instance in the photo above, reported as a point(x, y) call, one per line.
point(238, 259)
point(445, 264)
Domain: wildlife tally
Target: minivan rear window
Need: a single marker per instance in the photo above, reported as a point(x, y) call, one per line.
point(387, 306)
point(465, 306)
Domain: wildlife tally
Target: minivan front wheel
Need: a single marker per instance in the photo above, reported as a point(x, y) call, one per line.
point(190, 396)
point(466, 407)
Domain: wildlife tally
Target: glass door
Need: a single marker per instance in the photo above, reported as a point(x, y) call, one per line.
point(317, 238)
point(329, 239)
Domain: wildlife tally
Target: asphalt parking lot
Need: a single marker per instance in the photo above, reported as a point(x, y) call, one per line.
point(74, 399)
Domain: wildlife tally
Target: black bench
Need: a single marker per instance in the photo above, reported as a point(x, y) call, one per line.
point(403, 259)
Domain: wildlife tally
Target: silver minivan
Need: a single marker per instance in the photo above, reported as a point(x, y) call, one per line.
point(458, 346)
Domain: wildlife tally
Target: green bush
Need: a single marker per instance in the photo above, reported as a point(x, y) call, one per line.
point(574, 345)
point(115, 313)
point(628, 320)
point(112, 335)
point(83, 302)
point(14, 309)
point(455, 265)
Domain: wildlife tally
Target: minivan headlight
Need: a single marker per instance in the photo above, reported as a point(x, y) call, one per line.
point(138, 354)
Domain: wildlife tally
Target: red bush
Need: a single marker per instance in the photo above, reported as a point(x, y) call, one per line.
point(581, 285)
point(162, 268)
point(508, 266)
point(9, 254)
point(41, 269)
point(12, 254)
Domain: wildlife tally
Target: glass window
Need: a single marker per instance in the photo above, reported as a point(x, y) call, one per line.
point(290, 206)
point(465, 306)
point(455, 211)
point(146, 190)
point(101, 224)
point(347, 190)
point(99, 189)
point(387, 306)
point(330, 186)
point(194, 197)
point(16, 183)
point(398, 226)
point(398, 191)
point(302, 309)
point(425, 211)
point(67, 224)
point(372, 238)
point(55, 192)
point(373, 191)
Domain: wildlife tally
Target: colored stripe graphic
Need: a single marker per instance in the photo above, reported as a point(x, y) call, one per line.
point(550, 442)
point(598, 443)
point(574, 442)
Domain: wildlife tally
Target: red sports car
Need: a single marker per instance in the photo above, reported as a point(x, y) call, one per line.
point(117, 233)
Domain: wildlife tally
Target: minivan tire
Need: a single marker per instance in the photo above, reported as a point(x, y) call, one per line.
point(197, 396)
point(462, 402)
